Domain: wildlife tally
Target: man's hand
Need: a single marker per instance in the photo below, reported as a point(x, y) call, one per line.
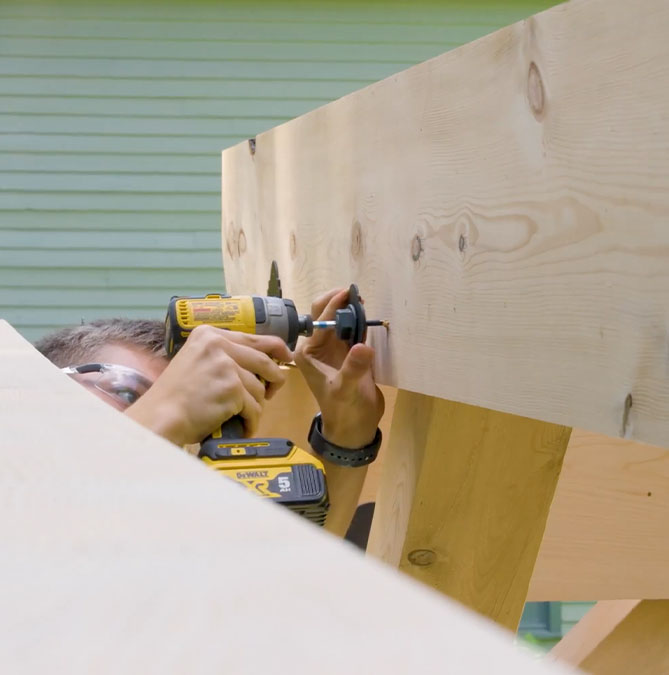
point(341, 379)
point(213, 378)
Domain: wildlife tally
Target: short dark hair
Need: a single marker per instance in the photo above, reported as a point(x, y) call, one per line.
point(78, 344)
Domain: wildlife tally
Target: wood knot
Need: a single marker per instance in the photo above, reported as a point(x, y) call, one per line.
point(357, 242)
point(416, 248)
point(241, 243)
point(535, 91)
point(627, 409)
point(292, 244)
point(230, 241)
point(422, 557)
point(462, 243)
point(252, 146)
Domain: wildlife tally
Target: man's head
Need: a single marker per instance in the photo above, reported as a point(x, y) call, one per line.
point(135, 344)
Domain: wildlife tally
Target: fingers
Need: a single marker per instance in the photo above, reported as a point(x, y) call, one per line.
point(258, 363)
point(319, 304)
point(250, 413)
point(253, 385)
point(254, 353)
point(357, 364)
point(274, 347)
point(337, 300)
point(324, 309)
point(241, 393)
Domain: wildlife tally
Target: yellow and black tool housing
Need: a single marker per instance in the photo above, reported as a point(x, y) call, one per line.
point(272, 468)
point(262, 315)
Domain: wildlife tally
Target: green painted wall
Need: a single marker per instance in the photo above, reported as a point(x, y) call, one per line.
point(113, 116)
point(572, 613)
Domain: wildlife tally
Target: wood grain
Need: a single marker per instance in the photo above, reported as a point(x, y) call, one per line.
point(399, 475)
point(484, 489)
point(619, 638)
point(505, 206)
point(122, 554)
point(592, 630)
point(606, 535)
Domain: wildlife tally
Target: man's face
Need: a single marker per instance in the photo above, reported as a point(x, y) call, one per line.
point(122, 390)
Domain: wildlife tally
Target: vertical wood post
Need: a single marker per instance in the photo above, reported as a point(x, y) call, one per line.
point(478, 485)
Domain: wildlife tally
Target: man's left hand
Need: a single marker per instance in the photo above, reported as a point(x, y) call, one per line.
point(341, 379)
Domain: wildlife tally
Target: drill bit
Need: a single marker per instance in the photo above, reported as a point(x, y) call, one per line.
point(332, 324)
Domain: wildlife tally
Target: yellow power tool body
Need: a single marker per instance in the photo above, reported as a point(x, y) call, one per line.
point(272, 468)
point(257, 314)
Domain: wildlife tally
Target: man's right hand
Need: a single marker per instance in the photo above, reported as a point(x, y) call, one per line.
point(213, 378)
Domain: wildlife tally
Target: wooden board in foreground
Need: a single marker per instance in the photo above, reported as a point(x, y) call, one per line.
point(505, 206)
point(122, 554)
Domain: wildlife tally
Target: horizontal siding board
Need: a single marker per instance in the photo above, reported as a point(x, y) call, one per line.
point(99, 297)
point(64, 315)
point(191, 50)
point(572, 612)
point(376, 12)
point(121, 142)
point(110, 182)
point(136, 239)
point(147, 107)
point(85, 219)
point(35, 332)
point(355, 31)
point(138, 126)
point(172, 282)
point(122, 258)
point(77, 162)
point(96, 67)
point(213, 88)
point(110, 200)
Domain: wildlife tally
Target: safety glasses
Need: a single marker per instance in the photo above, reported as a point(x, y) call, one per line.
point(122, 384)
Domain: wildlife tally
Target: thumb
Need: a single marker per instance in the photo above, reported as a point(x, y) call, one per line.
point(356, 365)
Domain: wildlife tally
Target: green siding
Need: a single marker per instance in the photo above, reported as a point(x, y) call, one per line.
point(572, 613)
point(113, 116)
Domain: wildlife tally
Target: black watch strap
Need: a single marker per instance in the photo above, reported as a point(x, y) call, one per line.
point(338, 455)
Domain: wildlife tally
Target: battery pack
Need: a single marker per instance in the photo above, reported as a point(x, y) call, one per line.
point(272, 468)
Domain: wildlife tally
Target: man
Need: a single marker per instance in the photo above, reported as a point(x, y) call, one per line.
point(215, 377)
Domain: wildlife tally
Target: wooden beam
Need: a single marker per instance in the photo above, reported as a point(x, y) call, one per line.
point(619, 637)
point(606, 535)
point(478, 485)
point(402, 462)
point(505, 206)
point(592, 630)
point(121, 553)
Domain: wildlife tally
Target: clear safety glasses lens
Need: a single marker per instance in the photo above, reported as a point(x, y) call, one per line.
point(124, 385)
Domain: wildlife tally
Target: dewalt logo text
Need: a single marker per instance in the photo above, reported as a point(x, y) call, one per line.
point(252, 474)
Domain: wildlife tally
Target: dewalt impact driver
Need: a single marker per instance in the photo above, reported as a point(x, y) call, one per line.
point(273, 468)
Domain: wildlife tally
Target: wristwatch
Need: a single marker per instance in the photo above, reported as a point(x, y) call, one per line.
point(338, 455)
